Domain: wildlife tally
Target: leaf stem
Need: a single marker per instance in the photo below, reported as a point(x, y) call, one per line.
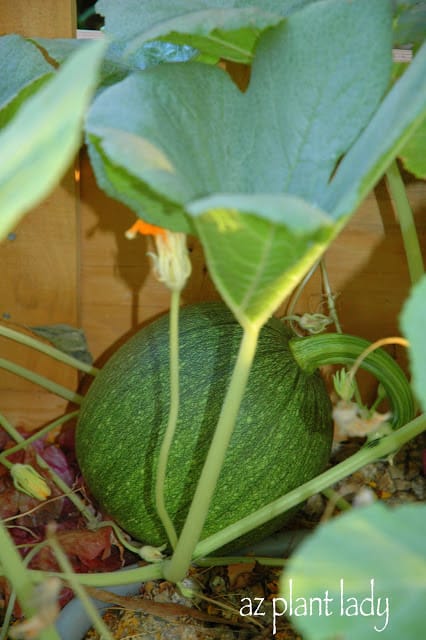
point(367, 454)
point(109, 578)
point(407, 225)
point(51, 386)
point(49, 350)
point(36, 436)
point(330, 296)
point(176, 568)
point(172, 419)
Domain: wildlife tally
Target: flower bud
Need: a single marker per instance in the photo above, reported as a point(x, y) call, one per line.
point(171, 262)
point(29, 481)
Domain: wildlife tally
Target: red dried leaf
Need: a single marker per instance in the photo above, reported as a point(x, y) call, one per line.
point(86, 545)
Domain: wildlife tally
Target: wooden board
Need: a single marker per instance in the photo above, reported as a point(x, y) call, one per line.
point(39, 263)
point(41, 18)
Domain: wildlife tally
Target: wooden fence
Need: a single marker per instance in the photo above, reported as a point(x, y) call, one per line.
point(69, 261)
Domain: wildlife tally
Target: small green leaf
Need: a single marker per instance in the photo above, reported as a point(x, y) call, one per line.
point(413, 154)
point(43, 137)
point(370, 564)
point(413, 327)
point(67, 339)
point(266, 240)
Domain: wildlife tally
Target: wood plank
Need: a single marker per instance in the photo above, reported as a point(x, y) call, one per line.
point(39, 261)
point(41, 18)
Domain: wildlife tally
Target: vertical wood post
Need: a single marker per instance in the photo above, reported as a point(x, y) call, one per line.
point(39, 261)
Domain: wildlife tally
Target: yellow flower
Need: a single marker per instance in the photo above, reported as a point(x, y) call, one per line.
point(29, 481)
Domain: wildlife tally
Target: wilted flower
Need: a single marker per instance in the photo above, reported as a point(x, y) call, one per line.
point(171, 261)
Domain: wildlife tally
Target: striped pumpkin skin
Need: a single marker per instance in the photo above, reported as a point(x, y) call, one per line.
point(282, 437)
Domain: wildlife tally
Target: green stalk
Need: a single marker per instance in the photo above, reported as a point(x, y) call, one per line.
point(405, 218)
point(16, 336)
point(177, 567)
point(13, 568)
point(79, 591)
point(109, 578)
point(172, 420)
point(51, 386)
point(330, 297)
point(36, 436)
point(8, 614)
point(334, 348)
point(223, 561)
point(386, 446)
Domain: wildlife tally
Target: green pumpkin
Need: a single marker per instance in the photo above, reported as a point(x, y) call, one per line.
point(282, 436)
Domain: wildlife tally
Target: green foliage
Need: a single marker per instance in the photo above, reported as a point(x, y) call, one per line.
point(197, 135)
point(67, 339)
point(397, 119)
point(410, 22)
point(43, 137)
point(413, 326)
point(373, 543)
point(19, 81)
point(413, 154)
point(115, 66)
point(220, 29)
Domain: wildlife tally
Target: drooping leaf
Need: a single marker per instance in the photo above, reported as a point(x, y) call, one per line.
point(262, 238)
point(40, 141)
point(23, 71)
point(185, 132)
point(413, 153)
point(371, 565)
point(412, 324)
point(70, 340)
point(220, 29)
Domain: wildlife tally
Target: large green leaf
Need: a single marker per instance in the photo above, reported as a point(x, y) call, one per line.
point(23, 71)
point(371, 565)
point(185, 132)
point(413, 326)
point(219, 28)
point(40, 141)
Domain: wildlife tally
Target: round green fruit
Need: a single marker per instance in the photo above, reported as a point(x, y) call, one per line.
point(282, 436)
